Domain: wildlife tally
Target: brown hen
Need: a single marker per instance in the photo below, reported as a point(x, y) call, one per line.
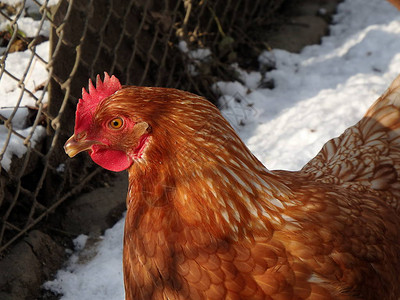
point(206, 220)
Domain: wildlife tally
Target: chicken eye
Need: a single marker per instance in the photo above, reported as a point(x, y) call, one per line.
point(116, 123)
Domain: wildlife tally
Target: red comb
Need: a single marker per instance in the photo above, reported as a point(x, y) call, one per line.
point(87, 105)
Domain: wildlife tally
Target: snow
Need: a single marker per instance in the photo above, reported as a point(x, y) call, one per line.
point(20, 64)
point(318, 93)
point(196, 56)
point(94, 272)
point(30, 4)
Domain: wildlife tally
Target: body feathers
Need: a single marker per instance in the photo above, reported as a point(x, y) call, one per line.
point(206, 220)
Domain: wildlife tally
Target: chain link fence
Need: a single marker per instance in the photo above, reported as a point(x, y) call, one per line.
point(50, 48)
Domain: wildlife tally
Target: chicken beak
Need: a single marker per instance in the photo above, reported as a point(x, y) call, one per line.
point(73, 146)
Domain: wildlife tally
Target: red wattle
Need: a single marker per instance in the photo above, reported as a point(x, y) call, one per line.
point(112, 160)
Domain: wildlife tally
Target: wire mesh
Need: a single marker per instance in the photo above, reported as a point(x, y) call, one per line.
point(141, 42)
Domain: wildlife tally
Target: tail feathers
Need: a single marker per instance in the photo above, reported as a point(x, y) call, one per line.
point(384, 116)
point(385, 109)
point(366, 157)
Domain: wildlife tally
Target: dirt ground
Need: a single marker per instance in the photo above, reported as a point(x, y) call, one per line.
point(37, 257)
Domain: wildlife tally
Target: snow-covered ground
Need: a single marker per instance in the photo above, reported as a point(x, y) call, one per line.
point(318, 93)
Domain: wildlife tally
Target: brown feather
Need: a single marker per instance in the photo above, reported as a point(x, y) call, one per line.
point(206, 220)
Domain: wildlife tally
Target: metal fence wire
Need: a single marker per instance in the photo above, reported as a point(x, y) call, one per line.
point(50, 48)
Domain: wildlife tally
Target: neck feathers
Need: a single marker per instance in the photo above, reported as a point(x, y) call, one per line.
point(211, 180)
